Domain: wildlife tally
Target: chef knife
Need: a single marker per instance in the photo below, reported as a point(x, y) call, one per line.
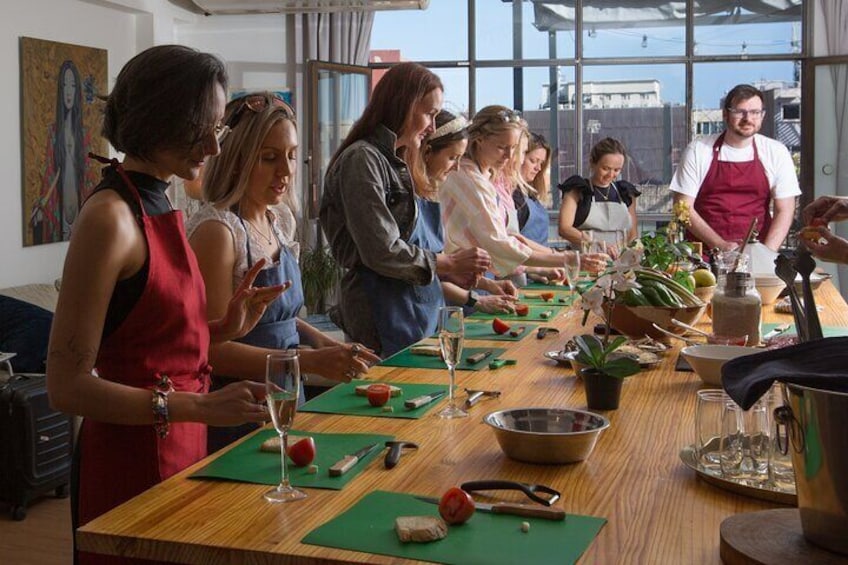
point(420, 401)
point(477, 357)
point(514, 509)
point(347, 462)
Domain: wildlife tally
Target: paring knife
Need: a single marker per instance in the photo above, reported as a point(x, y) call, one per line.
point(477, 357)
point(514, 509)
point(347, 462)
point(776, 331)
point(420, 401)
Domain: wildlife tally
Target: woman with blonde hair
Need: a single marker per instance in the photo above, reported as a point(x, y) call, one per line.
point(532, 191)
point(250, 216)
point(469, 198)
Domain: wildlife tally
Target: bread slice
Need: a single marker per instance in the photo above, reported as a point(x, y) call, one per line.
point(420, 529)
point(429, 350)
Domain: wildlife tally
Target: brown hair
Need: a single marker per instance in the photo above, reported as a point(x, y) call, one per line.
point(740, 93)
point(423, 184)
point(542, 182)
point(606, 146)
point(164, 97)
point(392, 102)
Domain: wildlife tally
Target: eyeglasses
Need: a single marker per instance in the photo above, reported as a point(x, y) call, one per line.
point(739, 113)
point(221, 132)
point(257, 103)
point(510, 116)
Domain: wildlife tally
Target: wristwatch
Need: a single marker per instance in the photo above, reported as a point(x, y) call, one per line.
point(473, 297)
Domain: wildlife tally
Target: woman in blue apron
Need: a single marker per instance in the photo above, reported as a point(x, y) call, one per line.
point(248, 217)
point(600, 209)
point(531, 194)
point(378, 227)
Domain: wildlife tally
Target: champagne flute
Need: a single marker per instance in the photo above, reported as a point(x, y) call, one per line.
point(282, 386)
point(571, 264)
point(451, 336)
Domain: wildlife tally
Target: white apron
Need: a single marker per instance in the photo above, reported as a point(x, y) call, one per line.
point(606, 218)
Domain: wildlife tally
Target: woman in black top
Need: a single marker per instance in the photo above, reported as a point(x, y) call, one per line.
point(600, 203)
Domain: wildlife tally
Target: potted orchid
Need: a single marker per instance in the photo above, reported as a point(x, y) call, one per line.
point(605, 369)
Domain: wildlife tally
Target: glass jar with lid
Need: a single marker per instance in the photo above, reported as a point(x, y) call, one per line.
point(737, 308)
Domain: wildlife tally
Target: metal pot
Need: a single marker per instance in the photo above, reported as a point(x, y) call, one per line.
point(817, 424)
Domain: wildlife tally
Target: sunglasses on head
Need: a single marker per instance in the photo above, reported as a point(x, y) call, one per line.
point(510, 116)
point(256, 103)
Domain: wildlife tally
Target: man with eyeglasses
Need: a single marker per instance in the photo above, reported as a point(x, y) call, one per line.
point(730, 178)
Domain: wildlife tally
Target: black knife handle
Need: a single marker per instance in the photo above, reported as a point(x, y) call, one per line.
point(552, 495)
point(393, 455)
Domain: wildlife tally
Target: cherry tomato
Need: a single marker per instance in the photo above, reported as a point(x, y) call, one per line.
point(378, 394)
point(499, 326)
point(302, 452)
point(546, 296)
point(456, 506)
point(522, 309)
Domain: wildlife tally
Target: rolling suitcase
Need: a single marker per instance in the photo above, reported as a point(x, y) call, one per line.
point(35, 444)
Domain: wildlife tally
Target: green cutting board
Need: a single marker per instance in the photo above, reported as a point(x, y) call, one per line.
point(342, 399)
point(405, 358)
point(247, 464)
point(486, 539)
point(534, 314)
point(483, 330)
point(558, 300)
point(827, 331)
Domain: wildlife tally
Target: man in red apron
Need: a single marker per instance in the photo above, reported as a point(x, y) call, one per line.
point(736, 176)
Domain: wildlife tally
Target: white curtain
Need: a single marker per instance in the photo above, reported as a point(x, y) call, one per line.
point(835, 19)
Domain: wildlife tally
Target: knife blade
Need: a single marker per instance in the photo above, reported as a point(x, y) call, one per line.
point(422, 400)
point(347, 462)
point(477, 357)
point(776, 331)
point(511, 508)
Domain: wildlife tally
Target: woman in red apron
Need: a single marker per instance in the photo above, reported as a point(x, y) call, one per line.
point(130, 338)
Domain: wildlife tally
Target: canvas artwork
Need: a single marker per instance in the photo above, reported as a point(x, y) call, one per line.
point(61, 119)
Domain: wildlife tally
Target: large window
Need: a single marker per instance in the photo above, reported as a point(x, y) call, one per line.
point(637, 70)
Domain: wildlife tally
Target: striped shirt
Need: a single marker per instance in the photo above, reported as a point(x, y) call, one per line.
point(472, 217)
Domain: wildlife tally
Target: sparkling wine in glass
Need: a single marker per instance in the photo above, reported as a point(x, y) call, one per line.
point(282, 386)
point(451, 336)
point(571, 264)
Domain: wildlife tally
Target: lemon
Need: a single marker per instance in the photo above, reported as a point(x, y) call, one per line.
point(704, 277)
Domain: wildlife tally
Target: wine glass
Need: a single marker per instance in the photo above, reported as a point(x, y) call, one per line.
point(282, 386)
point(571, 264)
point(451, 335)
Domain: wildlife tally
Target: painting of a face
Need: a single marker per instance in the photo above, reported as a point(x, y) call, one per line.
point(69, 88)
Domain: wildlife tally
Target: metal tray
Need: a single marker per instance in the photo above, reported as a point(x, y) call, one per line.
point(687, 455)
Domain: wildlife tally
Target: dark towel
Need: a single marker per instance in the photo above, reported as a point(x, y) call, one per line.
point(822, 364)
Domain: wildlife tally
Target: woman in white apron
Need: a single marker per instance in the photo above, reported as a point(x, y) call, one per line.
point(600, 208)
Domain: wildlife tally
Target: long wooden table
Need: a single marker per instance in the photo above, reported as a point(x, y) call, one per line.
point(658, 511)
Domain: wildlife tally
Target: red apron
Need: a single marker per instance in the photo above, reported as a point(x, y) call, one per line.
point(732, 194)
point(166, 333)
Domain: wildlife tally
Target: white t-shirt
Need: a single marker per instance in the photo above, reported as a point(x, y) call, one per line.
point(775, 157)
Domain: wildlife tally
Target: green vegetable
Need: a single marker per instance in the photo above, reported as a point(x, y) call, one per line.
point(634, 297)
point(654, 297)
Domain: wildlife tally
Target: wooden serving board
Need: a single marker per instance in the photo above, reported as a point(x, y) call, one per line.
point(770, 536)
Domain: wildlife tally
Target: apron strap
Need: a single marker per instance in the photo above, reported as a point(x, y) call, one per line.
point(115, 164)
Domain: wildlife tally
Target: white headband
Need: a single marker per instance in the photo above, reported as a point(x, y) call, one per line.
point(457, 124)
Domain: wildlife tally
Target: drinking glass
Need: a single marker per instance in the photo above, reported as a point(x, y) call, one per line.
point(588, 241)
point(451, 337)
point(745, 442)
point(781, 470)
point(571, 264)
point(708, 411)
point(282, 386)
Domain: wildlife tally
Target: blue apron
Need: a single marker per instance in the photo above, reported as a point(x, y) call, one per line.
point(276, 329)
point(404, 313)
point(536, 228)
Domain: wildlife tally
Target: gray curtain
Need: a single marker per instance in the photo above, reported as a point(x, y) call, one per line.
point(835, 19)
point(342, 37)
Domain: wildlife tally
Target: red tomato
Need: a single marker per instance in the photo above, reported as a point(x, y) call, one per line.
point(456, 506)
point(546, 296)
point(302, 453)
point(522, 309)
point(499, 326)
point(818, 222)
point(378, 394)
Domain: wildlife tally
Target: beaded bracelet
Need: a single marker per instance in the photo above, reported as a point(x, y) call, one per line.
point(159, 403)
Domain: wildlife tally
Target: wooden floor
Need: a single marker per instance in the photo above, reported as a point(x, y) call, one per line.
point(42, 538)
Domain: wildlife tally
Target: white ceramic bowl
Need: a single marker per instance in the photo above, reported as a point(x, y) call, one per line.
point(769, 287)
point(550, 436)
point(707, 360)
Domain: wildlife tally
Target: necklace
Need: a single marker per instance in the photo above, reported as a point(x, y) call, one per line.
point(604, 195)
point(268, 239)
